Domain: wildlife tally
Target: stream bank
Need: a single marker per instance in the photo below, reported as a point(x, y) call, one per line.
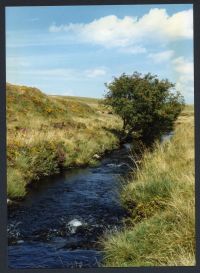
point(60, 223)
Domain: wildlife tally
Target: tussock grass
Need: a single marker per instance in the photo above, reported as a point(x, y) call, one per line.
point(160, 200)
point(47, 133)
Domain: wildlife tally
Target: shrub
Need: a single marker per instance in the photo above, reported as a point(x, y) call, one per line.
point(147, 105)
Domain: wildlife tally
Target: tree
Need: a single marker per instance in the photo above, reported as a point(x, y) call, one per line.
point(148, 106)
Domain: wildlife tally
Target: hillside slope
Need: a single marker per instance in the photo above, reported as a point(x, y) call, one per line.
point(46, 133)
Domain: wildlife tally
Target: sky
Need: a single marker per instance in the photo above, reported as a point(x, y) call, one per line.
point(70, 50)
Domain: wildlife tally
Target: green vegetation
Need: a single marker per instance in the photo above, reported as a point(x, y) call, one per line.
point(47, 133)
point(159, 197)
point(146, 104)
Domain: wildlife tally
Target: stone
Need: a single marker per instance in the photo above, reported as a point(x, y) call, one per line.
point(96, 156)
point(20, 242)
point(73, 225)
point(9, 202)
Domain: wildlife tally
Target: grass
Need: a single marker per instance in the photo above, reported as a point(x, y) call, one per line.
point(48, 133)
point(160, 229)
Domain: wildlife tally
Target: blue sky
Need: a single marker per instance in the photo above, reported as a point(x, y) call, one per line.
point(75, 50)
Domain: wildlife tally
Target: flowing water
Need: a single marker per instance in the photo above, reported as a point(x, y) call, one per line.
point(60, 223)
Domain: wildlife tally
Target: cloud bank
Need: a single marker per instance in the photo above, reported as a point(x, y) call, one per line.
point(129, 32)
point(185, 79)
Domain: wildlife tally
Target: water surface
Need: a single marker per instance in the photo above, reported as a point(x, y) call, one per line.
point(39, 231)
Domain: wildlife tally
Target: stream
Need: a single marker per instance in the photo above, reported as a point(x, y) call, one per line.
point(61, 222)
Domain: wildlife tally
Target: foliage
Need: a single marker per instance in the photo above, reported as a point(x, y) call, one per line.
point(40, 142)
point(146, 104)
point(160, 229)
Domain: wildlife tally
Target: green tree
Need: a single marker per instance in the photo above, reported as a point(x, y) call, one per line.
point(148, 106)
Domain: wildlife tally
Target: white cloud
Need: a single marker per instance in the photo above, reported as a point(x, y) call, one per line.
point(61, 73)
point(54, 28)
point(93, 73)
point(158, 23)
point(183, 66)
point(133, 50)
point(162, 56)
point(185, 77)
point(128, 32)
point(18, 62)
point(57, 72)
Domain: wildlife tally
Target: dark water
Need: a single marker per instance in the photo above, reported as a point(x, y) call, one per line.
point(59, 225)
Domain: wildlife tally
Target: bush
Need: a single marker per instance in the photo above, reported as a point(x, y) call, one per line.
point(148, 106)
point(29, 163)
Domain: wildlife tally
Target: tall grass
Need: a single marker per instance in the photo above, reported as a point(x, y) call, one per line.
point(47, 133)
point(159, 197)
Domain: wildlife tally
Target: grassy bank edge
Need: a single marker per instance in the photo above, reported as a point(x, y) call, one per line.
point(19, 193)
point(46, 134)
point(159, 198)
